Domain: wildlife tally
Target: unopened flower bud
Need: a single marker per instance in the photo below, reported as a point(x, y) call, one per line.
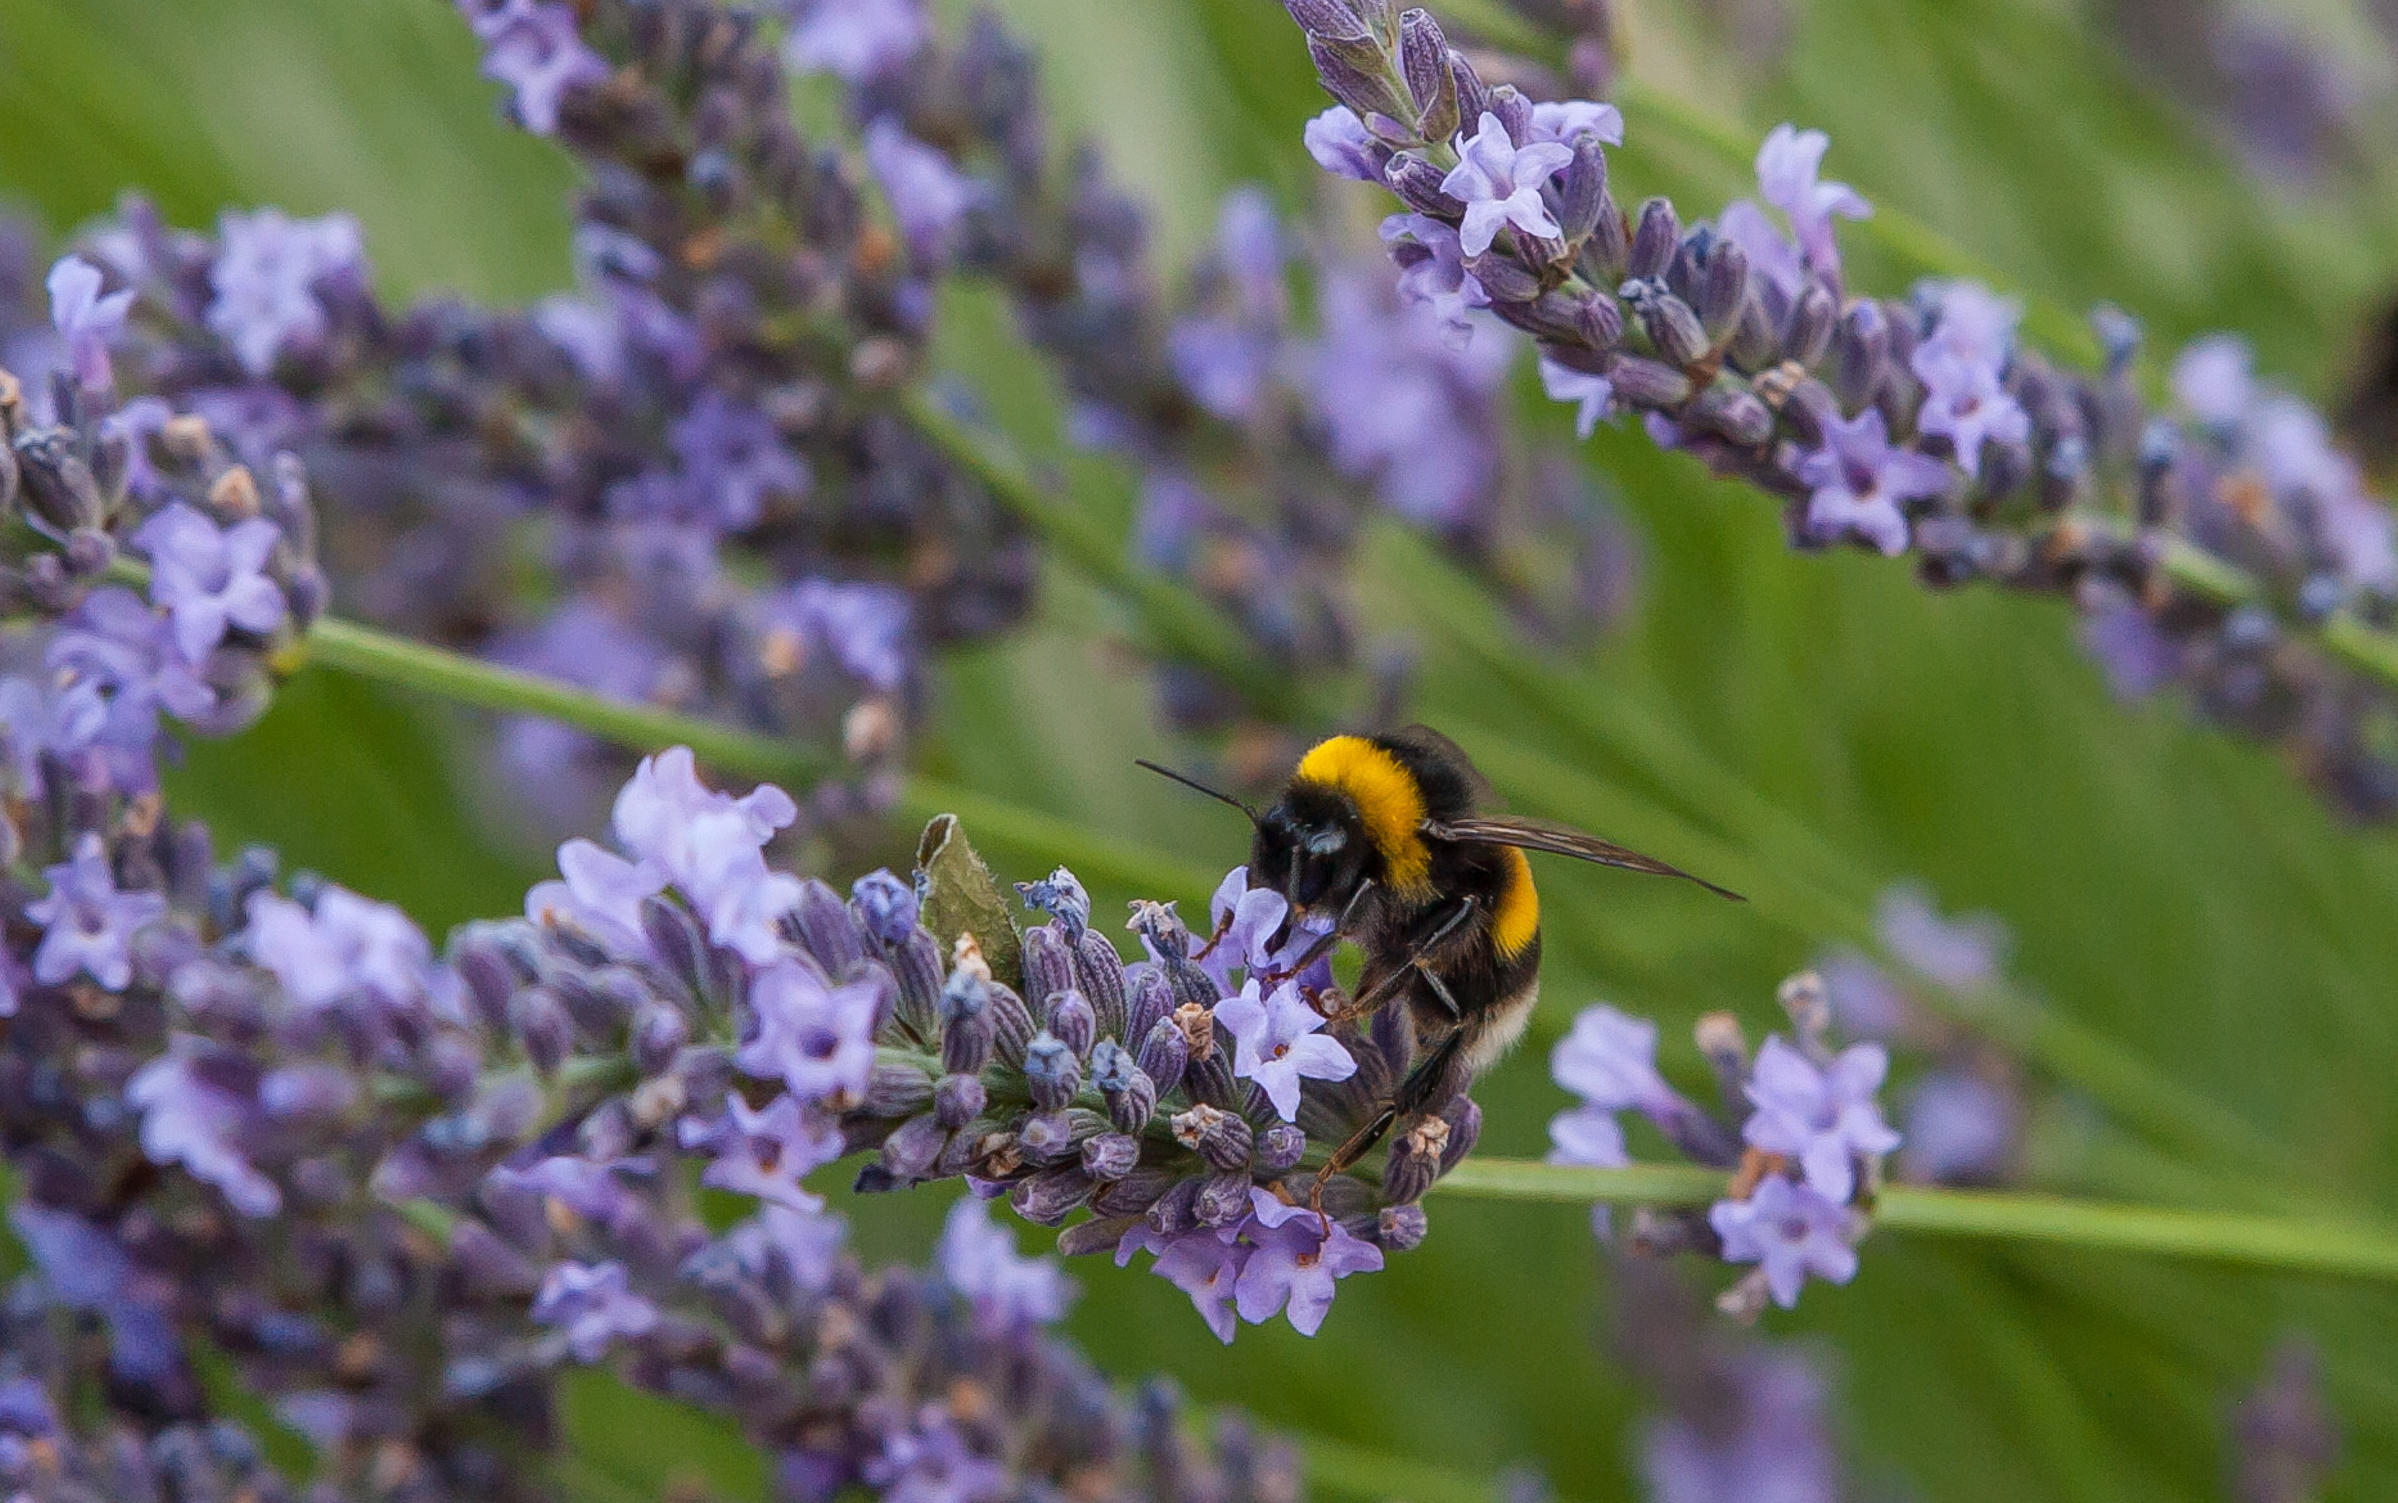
point(1072, 1021)
point(1110, 1156)
point(1052, 1073)
point(1220, 1137)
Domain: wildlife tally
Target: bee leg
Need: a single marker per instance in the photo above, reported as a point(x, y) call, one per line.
point(1361, 1143)
point(1323, 946)
point(1436, 1079)
point(1381, 992)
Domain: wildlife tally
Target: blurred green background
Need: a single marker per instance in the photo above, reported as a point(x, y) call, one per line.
point(1808, 729)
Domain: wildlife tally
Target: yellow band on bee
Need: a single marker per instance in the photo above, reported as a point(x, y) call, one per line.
point(1517, 917)
point(1389, 801)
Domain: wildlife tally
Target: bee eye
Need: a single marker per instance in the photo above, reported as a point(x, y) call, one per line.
point(1327, 842)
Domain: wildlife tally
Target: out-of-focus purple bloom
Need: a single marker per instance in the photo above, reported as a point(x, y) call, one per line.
point(2136, 655)
point(978, 1258)
point(1338, 141)
point(1295, 1262)
point(733, 460)
point(2214, 380)
point(765, 1153)
point(1565, 120)
point(601, 1193)
point(1962, 366)
point(1405, 404)
point(1278, 1044)
point(711, 845)
point(1773, 256)
point(1499, 183)
point(598, 894)
point(594, 1305)
point(1224, 365)
point(1823, 1117)
point(1610, 1061)
point(1432, 270)
point(85, 320)
point(1591, 394)
point(1205, 1264)
point(345, 946)
point(1588, 1137)
point(267, 267)
point(87, 924)
point(540, 53)
point(1860, 482)
point(929, 196)
point(863, 626)
point(1865, 1002)
point(86, 1269)
point(1788, 165)
point(808, 1244)
point(856, 38)
point(933, 1462)
point(187, 1119)
point(211, 579)
point(1961, 1129)
point(1792, 1231)
point(887, 904)
point(1775, 1445)
point(1963, 954)
point(818, 1039)
point(39, 715)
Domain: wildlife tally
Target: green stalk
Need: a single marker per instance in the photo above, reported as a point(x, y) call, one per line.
point(2283, 1244)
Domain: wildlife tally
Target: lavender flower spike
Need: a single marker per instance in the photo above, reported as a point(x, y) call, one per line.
point(88, 924)
point(1278, 1045)
point(1499, 183)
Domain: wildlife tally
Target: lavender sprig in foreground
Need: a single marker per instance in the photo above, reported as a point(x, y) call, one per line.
point(2232, 549)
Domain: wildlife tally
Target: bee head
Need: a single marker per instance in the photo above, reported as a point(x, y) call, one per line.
point(1312, 848)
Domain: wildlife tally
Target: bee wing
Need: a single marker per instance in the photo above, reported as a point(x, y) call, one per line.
point(1560, 840)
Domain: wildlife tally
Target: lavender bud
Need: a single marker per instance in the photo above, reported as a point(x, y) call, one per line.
point(1061, 897)
point(1655, 239)
point(1645, 384)
point(1100, 971)
point(1754, 344)
point(1332, 19)
point(1465, 1130)
point(1133, 1194)
point(1424, 59)
point(1148, 1000)
point(916, 965)
point(481, 961)
point(1110, 1156)
point(1280, 1148)
point(1401, 1228)
point(1098, 1235)
point(1130, 1094)
point(1861, 355)
point(1048, 962)
point(1047, 1137)
point(1175, 1210)
point(660, 1030)
point(1724, 291)
point(1073, 1023)
point(1417, 182)
point(1473, 95)
point(1505, 278)
point(1582, 191)
point(1050, 1196)
point(1052, 1072)
point(1672, 327)
point(677, 940)
point(1734, 413)
point(885, 905)
point(1343, 67)
point(1808, 334)
point(897, 1091)
point(1415, 1160)
point(958, 1100)
point(1165, 1055)
point(1219, 1137)
point(966, 1024)
point(541, 1026)
point(60, 493)
point(1011, 1022)
point(825, 928)
point(1223, 1199)
point(911, 1151)
point(1514, 111)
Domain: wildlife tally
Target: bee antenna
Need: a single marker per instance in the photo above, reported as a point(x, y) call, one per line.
point(1194, 783)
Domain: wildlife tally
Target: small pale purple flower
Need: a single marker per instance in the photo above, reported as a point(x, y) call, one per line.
point(1295, 1262)
point(855, 39)
point(1432, 270)
point(767, 1152)
point(594, 1305)
point(2214, 380)
point(1564, 120)
point(1244, 921)
point(541, 54)
point(598, 895)
point(85, 320)
point(1588, 1137)
point(864, 626)
point(1792, 1231)
point(188, 1119)
point(1823, 1117)
point(934, 1462)
point(1338, 141)
point(38, 715)
point(817, 1038)
point(1760, 1435)
point(888, 904)
point(211, 579)
point(1278, 1045)
point(346, 946)
point(1406, 404)
point(1860, 482)
point(2137, 656)
point(264, 281)
point(711, 845)
point(1591, 394)
point(735, 459)
point(1205, 1264)
point(1610, 1061)
point(1961, 1129)
point(1965, 403)
point(1963, 954)
point(1774, 257)
point(119, 649)
point(808, 1244)
point(87, 924)
point(929, 197)
point(1787, 168)
point(1499, 183)
point(978, 1258)
point(1223, 364)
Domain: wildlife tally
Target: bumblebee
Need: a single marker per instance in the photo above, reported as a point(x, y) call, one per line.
point(1381, 838)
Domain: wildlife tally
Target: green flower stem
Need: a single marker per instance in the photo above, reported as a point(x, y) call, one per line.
point(2286, 1244)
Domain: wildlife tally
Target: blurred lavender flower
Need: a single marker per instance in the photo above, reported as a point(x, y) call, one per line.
point(1861, 484)
point(211, 579)
point(85, 320)
point(88, 926)
point(1789, 167)
point(978, 1258)
point(856, 38)
point(265, 281)
point(1821, 1115)
point(2284, 1439)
